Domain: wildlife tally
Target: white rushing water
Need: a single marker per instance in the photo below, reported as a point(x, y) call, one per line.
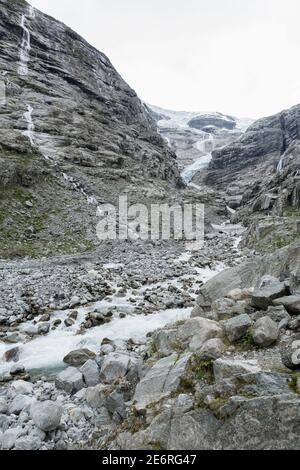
point(280, 165)
point(24, 49)
point(46, 352)
point(90, 199)
point(29, 133)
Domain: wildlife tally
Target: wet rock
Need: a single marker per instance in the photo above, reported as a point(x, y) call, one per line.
point(265, 332)
point(79, 357)
point(31, 330)
point(70, 380)
point(12, 355)
point(46, 415)
point(237, 327)
point(17, 369)
point(43, 328)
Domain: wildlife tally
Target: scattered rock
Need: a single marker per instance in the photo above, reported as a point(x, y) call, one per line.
point(46, 415)
point(265, 332)
point(70, 380)
point(237, 327)
point(79, 357)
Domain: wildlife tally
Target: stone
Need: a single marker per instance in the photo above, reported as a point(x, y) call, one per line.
point(9, 437)
point(3, 405)
point(200, 331)
point(4, 422)
point(96, 396)
point(270, 289)
point(28, 443)
point(46, 415)
point(79, 357)
point(17, 369)
point(237, 327)
point(115, 402)
point(278, 313)
point(70, 380)
point(161, 380)
point(20, 403)
point(211, 349)
point(290, 353)
point(12, 355)
point(91, 373)
point(265, 332)
point(20, 387)
point(163, 341)
point(228, 368)
point(31, 330)
point(295, 282)
point(291, 304)
point(43, 328)
point(74, 302)
point(115, 366)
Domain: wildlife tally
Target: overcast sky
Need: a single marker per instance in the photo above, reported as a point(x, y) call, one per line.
point(239, 57)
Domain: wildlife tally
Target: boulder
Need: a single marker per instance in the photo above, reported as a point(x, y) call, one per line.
point(161, 380)
point(265, 332)
point(196, 331)
point(117, 365)
point(96, 396)
point(295, 282)
point(228, 368)
point(12, 355)
point(269, 289)
point(70, 380)
point(3, 405)
point(237, 327)
point(290, 353)
point(211, 349)
point(291, 303)
point(20, 403)
point(28, 443)
point(91, 373)
point(9, 437)
point(20, 387)
point(79, 357)
point(46, 415)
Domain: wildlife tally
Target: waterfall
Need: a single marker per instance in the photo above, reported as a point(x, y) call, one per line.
point(25, 45)
point(30, 125)
point(280, 165)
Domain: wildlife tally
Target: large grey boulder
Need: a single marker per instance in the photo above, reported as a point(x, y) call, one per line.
point(291, 303)
point(211, 349)
point(290, 353)
point(237, 327)
point(28, 443)
point(46, 415)
point(162, 379)
point(117, 365)
point(70, 380)
point(91, 373)
point(96, 396)
point(229, 368)
point(79, 357)
point(196, 331)
point(269, 290)
point(265, 332)
point(248, 273)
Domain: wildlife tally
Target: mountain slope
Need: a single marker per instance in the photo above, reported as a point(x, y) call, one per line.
point(73, 134)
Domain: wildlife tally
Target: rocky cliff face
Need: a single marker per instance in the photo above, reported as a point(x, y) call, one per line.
point(73, 133)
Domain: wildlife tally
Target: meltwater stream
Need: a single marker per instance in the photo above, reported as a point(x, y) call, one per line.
point(46, 353)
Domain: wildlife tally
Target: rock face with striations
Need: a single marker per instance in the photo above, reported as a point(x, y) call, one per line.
point(72, 134)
